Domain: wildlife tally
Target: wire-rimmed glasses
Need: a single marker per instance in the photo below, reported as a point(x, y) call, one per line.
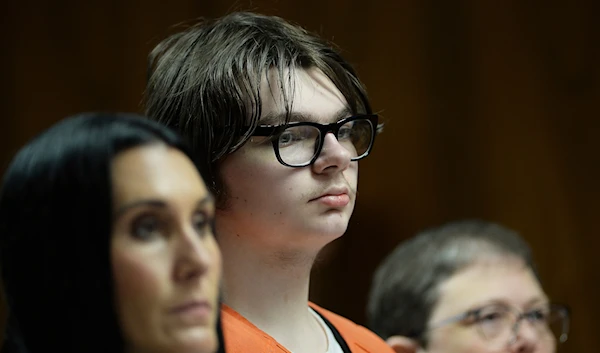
point(499, 324)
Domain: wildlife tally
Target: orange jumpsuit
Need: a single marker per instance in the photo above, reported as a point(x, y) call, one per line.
point(241, 336)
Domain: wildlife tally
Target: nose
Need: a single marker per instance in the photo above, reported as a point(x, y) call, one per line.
point(525, 338)
point(333, 156)
point(193, 255)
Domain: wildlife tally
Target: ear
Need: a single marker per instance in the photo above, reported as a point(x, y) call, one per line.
point(401, 344)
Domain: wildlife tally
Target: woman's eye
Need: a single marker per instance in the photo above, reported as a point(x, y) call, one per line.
point(201, 222)
point(146, 228)
point(537, 315)
point(490, 317)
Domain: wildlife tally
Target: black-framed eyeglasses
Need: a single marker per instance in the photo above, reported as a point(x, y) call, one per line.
point(499, 324)
point(298, 144)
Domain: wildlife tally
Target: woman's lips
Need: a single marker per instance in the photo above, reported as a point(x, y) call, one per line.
point(196, 312)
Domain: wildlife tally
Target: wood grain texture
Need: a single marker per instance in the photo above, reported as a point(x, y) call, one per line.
point(492, 111)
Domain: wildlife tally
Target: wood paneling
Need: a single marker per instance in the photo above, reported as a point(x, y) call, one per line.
point(491, 108)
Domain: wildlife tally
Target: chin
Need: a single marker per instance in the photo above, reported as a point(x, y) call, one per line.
point(332, 226)
point(196, 342)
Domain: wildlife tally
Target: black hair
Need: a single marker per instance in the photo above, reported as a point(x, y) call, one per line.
point(55, 226)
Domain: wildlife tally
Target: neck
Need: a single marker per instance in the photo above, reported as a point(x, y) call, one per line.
point(265, 287)
point(270, 289)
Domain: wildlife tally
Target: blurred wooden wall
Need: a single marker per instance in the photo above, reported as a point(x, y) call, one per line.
point(492, 111)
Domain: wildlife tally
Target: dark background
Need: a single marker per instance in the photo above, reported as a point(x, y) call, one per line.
point(491, 110)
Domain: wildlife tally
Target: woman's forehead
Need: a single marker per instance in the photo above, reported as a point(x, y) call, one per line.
point(505, 280)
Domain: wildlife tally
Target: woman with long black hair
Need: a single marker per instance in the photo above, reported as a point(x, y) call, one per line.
point(106, 242)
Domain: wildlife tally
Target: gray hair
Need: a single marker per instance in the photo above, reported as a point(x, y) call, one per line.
point(405, 287)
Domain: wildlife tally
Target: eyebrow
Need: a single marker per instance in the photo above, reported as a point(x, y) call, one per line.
point(501, 301)
point(153, 203)
point(537, 301)
point(279, 118)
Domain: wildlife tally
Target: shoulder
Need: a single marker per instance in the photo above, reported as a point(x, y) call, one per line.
point(357, 336)
point(241, 335)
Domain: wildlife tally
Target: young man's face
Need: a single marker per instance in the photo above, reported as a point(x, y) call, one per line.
point(291, 210)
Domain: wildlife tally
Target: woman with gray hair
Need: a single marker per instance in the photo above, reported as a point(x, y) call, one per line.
point(469, 286)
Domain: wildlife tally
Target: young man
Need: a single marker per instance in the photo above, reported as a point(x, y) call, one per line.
point(278, 120)
point(465, 287)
